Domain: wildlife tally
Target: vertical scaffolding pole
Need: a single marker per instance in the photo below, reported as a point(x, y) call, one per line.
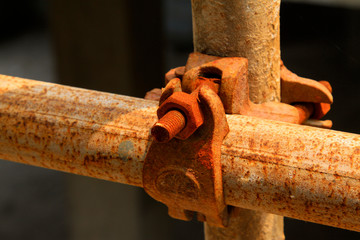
point(244, 28)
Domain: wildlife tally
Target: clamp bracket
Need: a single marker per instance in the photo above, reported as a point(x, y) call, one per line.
point(182, 168)
point(186, 175)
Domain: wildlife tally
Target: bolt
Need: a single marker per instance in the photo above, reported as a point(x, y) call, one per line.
point(305, 111)
point(168, 126)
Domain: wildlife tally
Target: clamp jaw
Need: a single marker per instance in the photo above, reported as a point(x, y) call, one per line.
point(186, 174)
point(182, 168)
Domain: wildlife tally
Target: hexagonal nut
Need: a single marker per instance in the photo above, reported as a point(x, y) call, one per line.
point(189, 106)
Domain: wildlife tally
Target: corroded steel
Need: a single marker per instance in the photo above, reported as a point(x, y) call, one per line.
point(247, 28)
point(188, 106)
point(187, 175)
point(318, 123)
point(296, 171)
point(228, 77)
point(168, 126)
point(74, 130)
point(295, 89)
point(154, 94)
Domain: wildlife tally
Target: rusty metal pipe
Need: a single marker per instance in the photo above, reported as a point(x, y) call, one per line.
point(296, 171)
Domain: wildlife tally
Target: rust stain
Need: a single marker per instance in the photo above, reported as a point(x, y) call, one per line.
point(186, 175)
point(126, 150)
point(80, 131)
point(309, 99)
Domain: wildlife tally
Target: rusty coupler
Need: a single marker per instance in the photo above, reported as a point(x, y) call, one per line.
point(182, 168)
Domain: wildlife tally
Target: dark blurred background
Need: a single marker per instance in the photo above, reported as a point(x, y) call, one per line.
point(125, 47)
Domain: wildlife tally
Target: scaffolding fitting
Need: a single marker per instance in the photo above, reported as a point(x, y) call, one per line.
point(185, 173)
point(291, 170)
point(304, 101)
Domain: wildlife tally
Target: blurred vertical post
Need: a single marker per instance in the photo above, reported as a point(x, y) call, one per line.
point(243, 28)
point(107, 46)
point(248, 28)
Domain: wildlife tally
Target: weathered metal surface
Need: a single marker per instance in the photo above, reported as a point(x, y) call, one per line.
point(247, 28)
point(154, 94)
point(187, 105)
point(297, 89)
point(296, 171)
point(252, 221)
point(228, 77)
point(186, 175)
point(302, 91)
point(318, 123)
point(322, 108)
point(74, 130)
point(168, 126)
point(174, 73)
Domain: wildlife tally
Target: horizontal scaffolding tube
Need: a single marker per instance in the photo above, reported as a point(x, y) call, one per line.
point(296, 171)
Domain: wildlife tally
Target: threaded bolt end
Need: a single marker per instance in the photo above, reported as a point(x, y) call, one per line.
point(168, 126)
